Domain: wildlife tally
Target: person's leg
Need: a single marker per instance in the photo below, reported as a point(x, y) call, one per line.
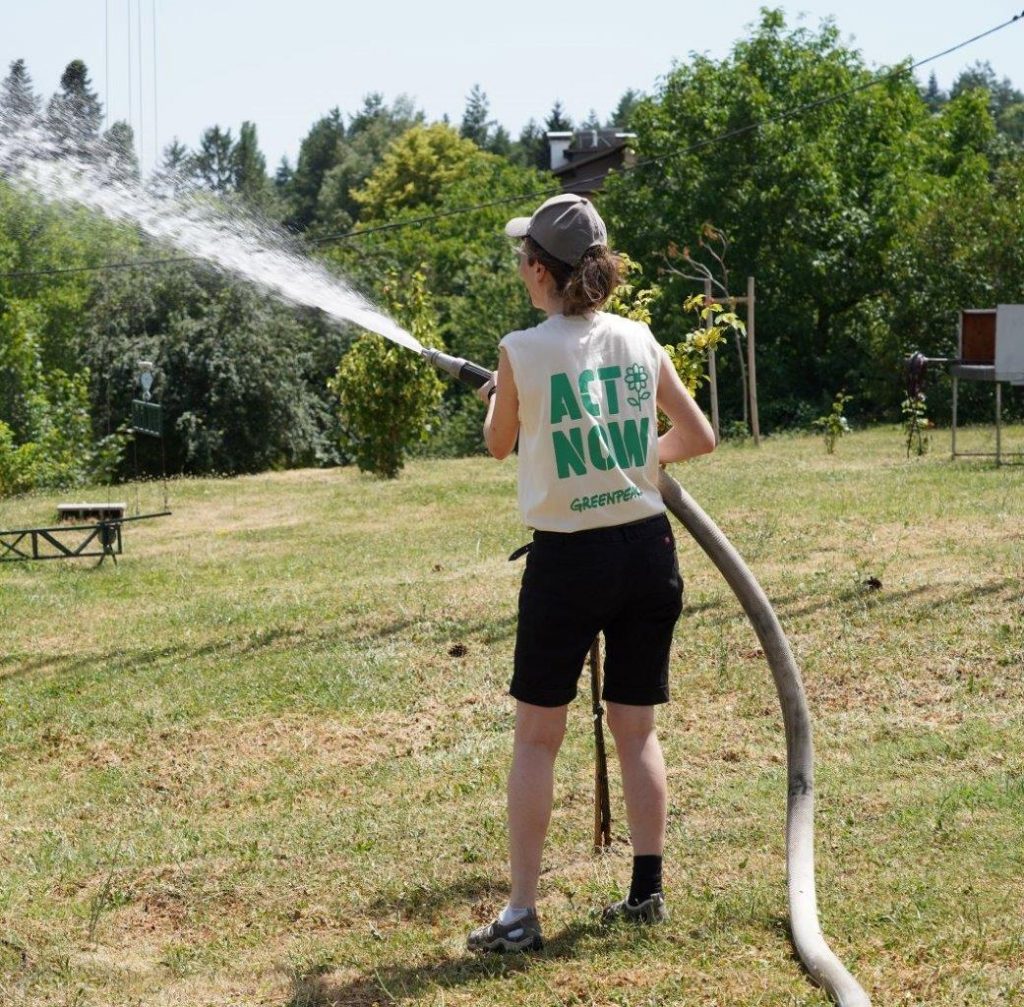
point(643, 775)
point(531, 783)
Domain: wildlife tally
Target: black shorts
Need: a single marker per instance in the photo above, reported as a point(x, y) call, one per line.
point(623, 581)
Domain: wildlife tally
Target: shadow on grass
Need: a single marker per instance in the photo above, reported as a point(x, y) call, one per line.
point(425, 903)
point(487, 631)
point(389, 984)
point(727, 608)
point(15, 665)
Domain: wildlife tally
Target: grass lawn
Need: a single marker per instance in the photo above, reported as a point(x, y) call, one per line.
point(262, 760)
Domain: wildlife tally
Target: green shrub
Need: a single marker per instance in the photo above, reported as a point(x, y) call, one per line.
point(388, 395)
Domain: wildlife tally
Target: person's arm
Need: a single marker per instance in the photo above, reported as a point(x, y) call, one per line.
point(690, 434)
point(501, 425)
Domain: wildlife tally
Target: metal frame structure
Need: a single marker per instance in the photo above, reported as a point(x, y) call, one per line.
point(977, 361)
point(102, 539)
point(22, 544)
point(15, 547)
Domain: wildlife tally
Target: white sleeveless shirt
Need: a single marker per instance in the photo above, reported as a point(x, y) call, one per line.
point(588, 427)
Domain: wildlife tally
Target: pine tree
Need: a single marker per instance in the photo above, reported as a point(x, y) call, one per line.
point(592, 121)
point(176, 159)
point(119, 141)
point(249, 167)
point(622, 116)
point(475, 124)
point(213, 165)
point(531, 149)
point(284, 174)
point(371, 131)
point(499, 142)
point(557, 120)
point(372, 111)
point(74, 113)
point(19, 104)
point(318, 153)
point(176, 171)
point(933, 96)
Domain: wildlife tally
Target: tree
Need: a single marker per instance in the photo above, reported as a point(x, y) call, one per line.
point(415, 171)
point(933, 95)
point(467, 262)
point(19, 104)
point(1005, 102)
point(213, 164)
point(45, 434)
point(241, 378)
point(369, 134)
point(557, 120)
point(815, 203)
point(388, 395)
point(591, 122)
point(475, 122)
point(1001, 93)
point(622, 117)
point(249, 168)
point(284, 175)
point(176, 159)
point(499, 142)
point(119, 141)
point(75, 113)
point(318, 153)
point(531, 149)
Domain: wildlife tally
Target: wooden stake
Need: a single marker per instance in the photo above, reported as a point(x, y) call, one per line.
point(602, 802)
point(712, 368)
point(755, 426)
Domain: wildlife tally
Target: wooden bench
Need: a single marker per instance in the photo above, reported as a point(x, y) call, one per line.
point(90, 512)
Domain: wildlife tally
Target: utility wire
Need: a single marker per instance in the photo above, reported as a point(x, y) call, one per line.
point(133, 264)
point(534, 194)
point(156, 107)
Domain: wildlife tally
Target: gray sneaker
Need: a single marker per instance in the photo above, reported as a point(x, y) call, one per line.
point(651, 910)
point(523, 935)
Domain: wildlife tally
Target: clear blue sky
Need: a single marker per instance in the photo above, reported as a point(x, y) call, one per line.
point(282, 65)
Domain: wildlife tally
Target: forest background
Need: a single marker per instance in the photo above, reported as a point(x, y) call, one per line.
point(868, 222)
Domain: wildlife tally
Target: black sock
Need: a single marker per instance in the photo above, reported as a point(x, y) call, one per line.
point(646, 878)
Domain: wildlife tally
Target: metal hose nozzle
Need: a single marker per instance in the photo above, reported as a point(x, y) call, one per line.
point(458, 367)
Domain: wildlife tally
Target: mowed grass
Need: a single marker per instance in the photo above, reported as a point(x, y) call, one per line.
point(262, 760)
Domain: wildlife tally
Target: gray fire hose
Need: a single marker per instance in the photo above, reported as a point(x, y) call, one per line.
point(810, 943)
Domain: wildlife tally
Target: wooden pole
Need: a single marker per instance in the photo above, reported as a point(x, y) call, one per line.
point(602, 802)
point(712, 368)
point(755, 425)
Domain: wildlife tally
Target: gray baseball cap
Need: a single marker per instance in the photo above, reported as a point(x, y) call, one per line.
point(565, 227)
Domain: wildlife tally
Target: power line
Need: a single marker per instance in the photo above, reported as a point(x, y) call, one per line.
point(133, 264)
point(131, 104)
point(106, 63)
point(156, 107)
point(142, 89)
point(554, 190)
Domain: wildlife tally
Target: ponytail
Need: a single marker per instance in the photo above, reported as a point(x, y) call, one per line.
point(587, 285)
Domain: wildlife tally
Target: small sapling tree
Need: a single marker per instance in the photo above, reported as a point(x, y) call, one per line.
point(915, 423)
point(834, 424)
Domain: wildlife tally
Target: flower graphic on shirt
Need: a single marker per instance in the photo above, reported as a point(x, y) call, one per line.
point(636, 381)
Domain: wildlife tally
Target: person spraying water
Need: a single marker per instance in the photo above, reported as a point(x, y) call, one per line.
point(32, 159)
point(579, 394)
